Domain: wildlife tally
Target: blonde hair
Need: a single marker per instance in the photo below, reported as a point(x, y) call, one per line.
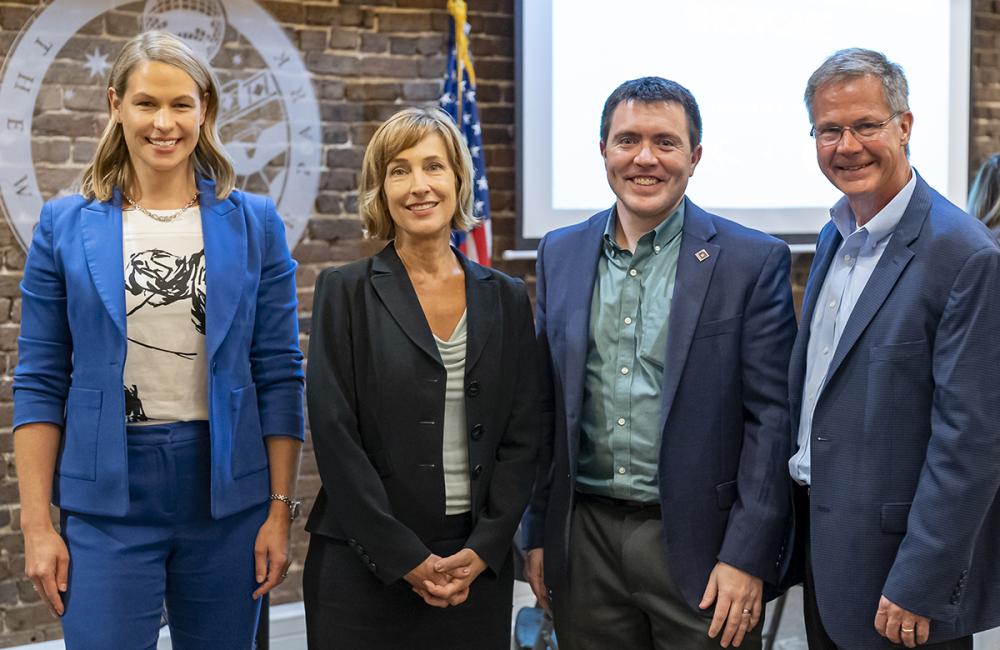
point(400, 132)
point(111, 166)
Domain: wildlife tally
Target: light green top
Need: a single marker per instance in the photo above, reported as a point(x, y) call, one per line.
point(455, 446)
point(626, 353)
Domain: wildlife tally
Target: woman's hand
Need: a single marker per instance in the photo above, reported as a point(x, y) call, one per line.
point(462, 568)
point(423, 575)
point(46, 559)
point(46, 562)
point(270, 551)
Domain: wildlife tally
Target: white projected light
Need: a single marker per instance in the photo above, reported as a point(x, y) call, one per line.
point(747, 64)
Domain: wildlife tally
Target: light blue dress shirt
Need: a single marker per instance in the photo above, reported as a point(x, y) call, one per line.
point(849, 272)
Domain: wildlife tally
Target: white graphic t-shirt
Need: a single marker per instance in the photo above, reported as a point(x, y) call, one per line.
point(166, 376)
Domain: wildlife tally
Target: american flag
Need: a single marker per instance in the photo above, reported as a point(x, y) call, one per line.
point(459, 100)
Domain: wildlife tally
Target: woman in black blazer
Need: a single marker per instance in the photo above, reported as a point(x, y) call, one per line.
point(422, 392)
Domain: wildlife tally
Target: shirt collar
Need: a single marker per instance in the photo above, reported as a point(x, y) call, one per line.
point(664, 233)
point(885, 220)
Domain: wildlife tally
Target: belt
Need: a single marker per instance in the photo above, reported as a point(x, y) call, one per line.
point(623, 505)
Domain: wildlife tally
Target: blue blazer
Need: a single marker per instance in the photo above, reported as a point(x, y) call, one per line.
point(72, 347)
point(722, 475)
point(906, 432)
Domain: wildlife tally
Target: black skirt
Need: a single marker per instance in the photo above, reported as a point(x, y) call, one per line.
point(348, 608)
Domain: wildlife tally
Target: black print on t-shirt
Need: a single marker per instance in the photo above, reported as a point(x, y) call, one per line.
point(164, 278)
point(133, 405)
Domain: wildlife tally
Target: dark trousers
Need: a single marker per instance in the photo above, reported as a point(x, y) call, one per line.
point(621, 592)
point(815, 631)
point(348, 607)
point(166, 549)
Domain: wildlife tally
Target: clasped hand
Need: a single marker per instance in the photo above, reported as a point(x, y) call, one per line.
point(444, 582)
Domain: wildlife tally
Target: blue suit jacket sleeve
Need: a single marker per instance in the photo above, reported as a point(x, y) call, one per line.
point(959, 480)
point(275, 356)
point(41, 380)
point(533, 523)
point(757, 521)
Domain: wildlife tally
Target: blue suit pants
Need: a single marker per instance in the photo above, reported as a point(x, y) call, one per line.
point(167, 550)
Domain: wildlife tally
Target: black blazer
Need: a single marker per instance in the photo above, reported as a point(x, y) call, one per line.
point(376, 394)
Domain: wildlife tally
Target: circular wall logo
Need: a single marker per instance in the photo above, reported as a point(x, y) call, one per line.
point(53, 104)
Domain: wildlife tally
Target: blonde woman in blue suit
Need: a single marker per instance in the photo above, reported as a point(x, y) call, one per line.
point(158, 395)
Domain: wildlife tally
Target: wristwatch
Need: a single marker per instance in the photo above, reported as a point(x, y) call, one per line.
point(293, 505)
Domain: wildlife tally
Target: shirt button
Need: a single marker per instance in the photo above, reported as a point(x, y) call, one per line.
point(624, 371)
point(633, 272)
point(847, 258)
point(628, 320)
point(826, 350)
point(656, 249)
point(621, 422)
point(833, 304)
point(621, 470)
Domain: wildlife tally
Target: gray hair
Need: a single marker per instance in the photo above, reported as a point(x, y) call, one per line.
point(857, 62)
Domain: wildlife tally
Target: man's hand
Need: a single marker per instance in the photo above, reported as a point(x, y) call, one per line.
point(900, 626)
point(737, 597)
point(534, 574)
point(424, 574)
point(462, 569)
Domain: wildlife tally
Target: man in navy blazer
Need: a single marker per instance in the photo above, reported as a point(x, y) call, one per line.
point(893, 387)
point(666, 332)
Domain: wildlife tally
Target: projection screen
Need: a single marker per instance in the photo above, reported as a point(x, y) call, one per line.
point(747, 64)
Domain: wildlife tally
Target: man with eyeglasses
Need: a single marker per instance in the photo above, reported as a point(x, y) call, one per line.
point(894, 391)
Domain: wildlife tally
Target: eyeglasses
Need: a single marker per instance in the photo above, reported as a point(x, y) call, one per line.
point(829, 136)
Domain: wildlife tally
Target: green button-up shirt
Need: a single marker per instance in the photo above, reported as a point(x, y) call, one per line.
point(626, 352)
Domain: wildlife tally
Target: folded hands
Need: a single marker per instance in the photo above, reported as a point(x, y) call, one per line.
point(445, 581)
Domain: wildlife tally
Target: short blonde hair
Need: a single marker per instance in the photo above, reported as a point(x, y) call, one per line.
point(111, 166)
point(400, 132)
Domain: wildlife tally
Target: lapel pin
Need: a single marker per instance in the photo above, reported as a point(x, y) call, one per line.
point(702, 255)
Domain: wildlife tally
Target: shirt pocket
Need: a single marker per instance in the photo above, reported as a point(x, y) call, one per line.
point(653, 332)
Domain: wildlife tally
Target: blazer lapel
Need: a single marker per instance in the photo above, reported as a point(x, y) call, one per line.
point(694, 273)
point(895, 258)
point(826, 247)
point(576, 291)
point(392, 284)
point(102, 243)
point(225, 237)
point(482, 304)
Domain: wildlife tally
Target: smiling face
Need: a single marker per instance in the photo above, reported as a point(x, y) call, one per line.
point(871, 172)
point(421, 190)
point(161, 114)
point(649, 159)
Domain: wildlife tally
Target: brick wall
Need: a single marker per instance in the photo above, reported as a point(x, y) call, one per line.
point(367, 59)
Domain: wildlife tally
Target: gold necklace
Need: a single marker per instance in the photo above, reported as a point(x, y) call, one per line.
point(162, 218)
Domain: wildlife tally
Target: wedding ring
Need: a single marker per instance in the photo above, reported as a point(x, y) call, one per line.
point(906, 629)
point(746, 612)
